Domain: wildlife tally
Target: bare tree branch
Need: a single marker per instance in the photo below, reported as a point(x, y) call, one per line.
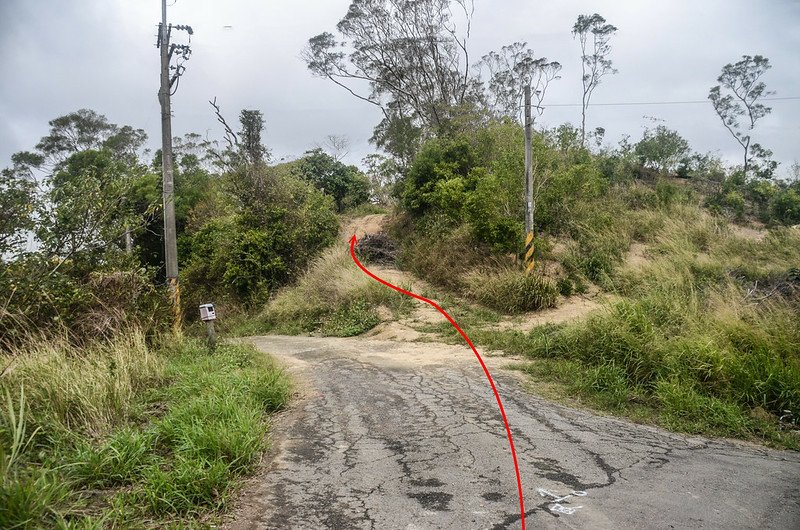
point(230, 137)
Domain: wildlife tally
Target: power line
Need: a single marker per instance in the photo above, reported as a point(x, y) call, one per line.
point(633, 103)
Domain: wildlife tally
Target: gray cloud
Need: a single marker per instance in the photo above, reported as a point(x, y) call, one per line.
point(100, 54)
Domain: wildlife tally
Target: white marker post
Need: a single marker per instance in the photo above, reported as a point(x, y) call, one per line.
point(208, 315)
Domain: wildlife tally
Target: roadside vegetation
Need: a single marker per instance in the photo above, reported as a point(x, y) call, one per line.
point(704, 340)
point(108, 419)
point(701, 331)
point(127, 434)
point(333, 298)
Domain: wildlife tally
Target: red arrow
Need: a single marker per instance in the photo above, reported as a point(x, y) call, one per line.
point(480, 360)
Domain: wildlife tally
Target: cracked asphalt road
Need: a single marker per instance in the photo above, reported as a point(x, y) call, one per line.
point(408, 435)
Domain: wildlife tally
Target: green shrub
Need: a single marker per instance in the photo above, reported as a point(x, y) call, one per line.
point(785, 207)
point(473, 179)
point(662, 149)
point(735, 201)
point(438, 161)
point(346, 184)
point(244, 257)
point(487, 212)
point(512, 291)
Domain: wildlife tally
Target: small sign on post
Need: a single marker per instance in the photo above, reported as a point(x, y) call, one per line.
point(209, 315)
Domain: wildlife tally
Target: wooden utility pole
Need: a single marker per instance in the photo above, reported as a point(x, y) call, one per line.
point(170, 233)
point(528, 183)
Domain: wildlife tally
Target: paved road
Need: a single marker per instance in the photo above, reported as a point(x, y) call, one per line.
point(408, 436)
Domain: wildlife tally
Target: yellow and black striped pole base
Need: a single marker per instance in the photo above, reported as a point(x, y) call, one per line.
point(177, 315)
point(529, 263)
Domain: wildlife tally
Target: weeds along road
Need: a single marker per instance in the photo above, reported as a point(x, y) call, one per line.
point(408, 436)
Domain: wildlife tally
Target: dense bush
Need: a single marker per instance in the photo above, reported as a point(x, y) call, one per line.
point(769, 201)
point(785, 206)
point(87, 302)
point(241, 234)
point(62, 267)
point(474, 178)
point(346, 184)
point(268, 238)
point(662, 149)
point(428, 182)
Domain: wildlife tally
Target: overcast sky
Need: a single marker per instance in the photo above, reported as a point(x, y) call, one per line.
point(62, 55)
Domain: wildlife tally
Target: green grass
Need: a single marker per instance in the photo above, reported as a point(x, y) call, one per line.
point(674, 404)
point(164, 438)
point(350, 320)
point(334, 297)
point(512, 291)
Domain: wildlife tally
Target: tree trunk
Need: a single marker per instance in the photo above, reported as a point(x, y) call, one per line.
point(583, 121)
point(746, 149)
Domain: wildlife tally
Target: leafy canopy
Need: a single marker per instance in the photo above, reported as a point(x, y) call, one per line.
point(736, 102)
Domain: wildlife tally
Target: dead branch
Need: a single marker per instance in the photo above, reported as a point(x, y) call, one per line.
point(230, 136)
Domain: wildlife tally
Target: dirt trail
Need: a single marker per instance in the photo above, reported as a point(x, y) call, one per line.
point(361, 226)
point(572, 308)
point(408, 328)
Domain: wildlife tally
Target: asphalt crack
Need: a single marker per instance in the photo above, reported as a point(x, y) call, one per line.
point(379, 442)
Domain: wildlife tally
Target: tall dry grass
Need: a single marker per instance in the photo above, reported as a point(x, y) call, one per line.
point(511, 290)
point(118, 434)
point(85, 390)
point(333, 295)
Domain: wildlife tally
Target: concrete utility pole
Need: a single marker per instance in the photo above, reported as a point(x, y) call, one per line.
point(128, 240)
point(528, 183)
point(170, 233)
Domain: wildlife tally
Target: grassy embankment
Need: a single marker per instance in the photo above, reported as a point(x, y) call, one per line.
point(123, 434)
point(333, 298)
point(704, 339)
